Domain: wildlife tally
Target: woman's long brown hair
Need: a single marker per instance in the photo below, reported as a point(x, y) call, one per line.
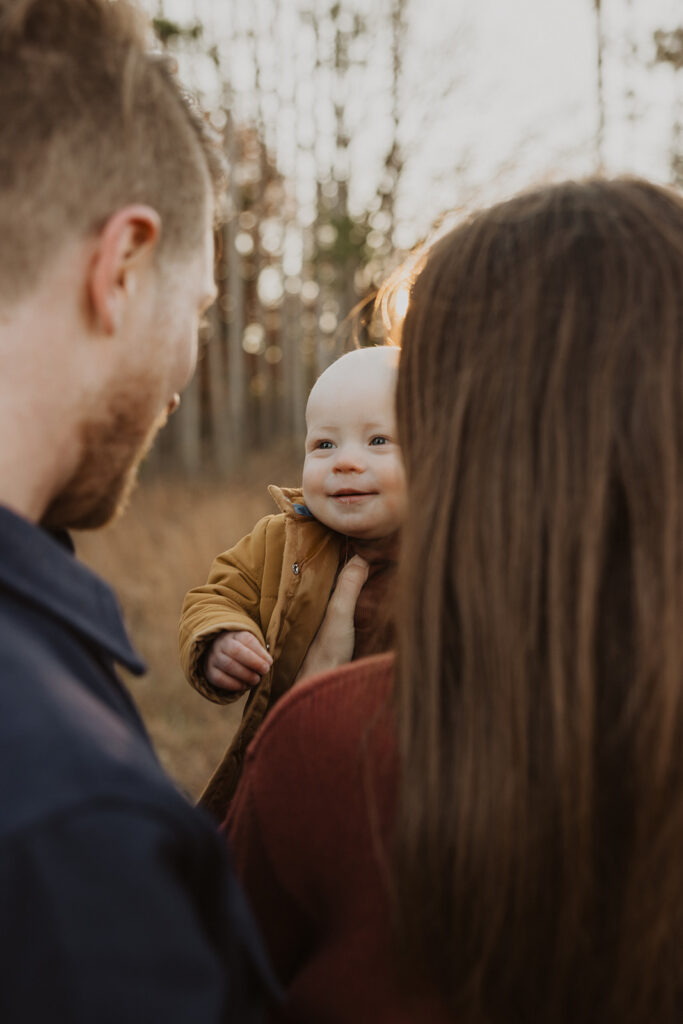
point(539, 837)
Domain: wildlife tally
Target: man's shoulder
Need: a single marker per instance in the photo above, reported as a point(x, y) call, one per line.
point(62, 743)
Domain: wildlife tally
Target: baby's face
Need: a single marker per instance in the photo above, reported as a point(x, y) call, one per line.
point(353, 478)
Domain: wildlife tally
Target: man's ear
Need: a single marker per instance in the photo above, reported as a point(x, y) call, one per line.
point(125, 247)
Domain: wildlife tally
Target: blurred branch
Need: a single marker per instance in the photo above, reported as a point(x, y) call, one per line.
point(170, 31)
point(669, 48)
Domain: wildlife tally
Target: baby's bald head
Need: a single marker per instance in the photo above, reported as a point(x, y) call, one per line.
point(370, 370)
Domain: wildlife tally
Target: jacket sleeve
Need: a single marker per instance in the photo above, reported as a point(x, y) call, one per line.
point(229, 600)
point(112, 914)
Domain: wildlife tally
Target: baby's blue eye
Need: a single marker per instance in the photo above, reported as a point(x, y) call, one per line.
point(379, 440)
point(325, 444)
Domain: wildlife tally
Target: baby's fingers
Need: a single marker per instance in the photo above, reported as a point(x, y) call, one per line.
point(223, 681)
point(250, 651)
point(221, 666)
point(239, 661)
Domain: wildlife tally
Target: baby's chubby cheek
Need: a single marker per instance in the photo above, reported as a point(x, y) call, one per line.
point(312, 489)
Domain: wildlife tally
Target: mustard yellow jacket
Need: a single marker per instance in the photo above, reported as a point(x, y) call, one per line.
point(274, 583)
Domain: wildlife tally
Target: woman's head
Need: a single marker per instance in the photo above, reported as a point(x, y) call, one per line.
point(540, 672)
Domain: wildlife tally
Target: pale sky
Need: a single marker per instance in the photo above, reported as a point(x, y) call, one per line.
point(497, 94)
point(527, 101)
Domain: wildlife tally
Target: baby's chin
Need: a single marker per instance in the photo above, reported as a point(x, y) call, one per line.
point(360, 533)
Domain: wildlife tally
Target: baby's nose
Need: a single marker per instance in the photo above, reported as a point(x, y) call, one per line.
point(349, 460)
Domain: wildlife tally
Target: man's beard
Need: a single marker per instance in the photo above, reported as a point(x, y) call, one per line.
point(113, 445)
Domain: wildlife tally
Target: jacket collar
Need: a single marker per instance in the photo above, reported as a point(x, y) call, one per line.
point(43, 570)
point(290, 500)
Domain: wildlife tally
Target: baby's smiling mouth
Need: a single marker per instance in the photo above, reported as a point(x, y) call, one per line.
point(348, 494)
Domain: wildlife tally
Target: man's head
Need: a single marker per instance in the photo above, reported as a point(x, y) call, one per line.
point(353, 478)
point(107, 184)
point(91, 121)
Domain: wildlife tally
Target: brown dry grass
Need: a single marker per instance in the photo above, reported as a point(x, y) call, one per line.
point(159, 549)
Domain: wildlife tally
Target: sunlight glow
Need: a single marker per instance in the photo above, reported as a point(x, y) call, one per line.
point(401, 300)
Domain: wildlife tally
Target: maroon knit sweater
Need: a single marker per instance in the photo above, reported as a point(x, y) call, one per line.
point(310, 829)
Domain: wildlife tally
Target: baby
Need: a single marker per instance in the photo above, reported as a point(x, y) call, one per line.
point(252, 624)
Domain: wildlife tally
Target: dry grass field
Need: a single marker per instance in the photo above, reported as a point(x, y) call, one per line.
point(162, 546)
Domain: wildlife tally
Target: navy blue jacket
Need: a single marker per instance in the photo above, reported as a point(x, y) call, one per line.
point(116, 900)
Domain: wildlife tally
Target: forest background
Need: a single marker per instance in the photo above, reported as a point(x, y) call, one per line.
point(352, 129)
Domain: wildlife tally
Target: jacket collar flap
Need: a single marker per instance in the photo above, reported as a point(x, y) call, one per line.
point(43, 570)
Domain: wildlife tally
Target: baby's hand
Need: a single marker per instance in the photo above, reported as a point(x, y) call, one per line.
point(236, 660)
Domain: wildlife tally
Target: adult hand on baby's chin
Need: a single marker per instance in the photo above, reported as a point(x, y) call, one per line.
point(334, 641)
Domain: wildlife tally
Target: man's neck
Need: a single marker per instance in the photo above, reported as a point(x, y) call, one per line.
point(28, 479)
point(39, 443)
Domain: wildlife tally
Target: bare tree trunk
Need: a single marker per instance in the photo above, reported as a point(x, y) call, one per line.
point(262, 396)
point(600, 88)
point(631, 59)
point(292, 378)
point(393, 164)
point(669, 50)
point(320, 354)
point(676, 157)
point(236, 382)
point(293, 370)
point(188, 424)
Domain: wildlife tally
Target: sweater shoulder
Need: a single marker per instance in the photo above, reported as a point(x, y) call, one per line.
point(346, 697)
